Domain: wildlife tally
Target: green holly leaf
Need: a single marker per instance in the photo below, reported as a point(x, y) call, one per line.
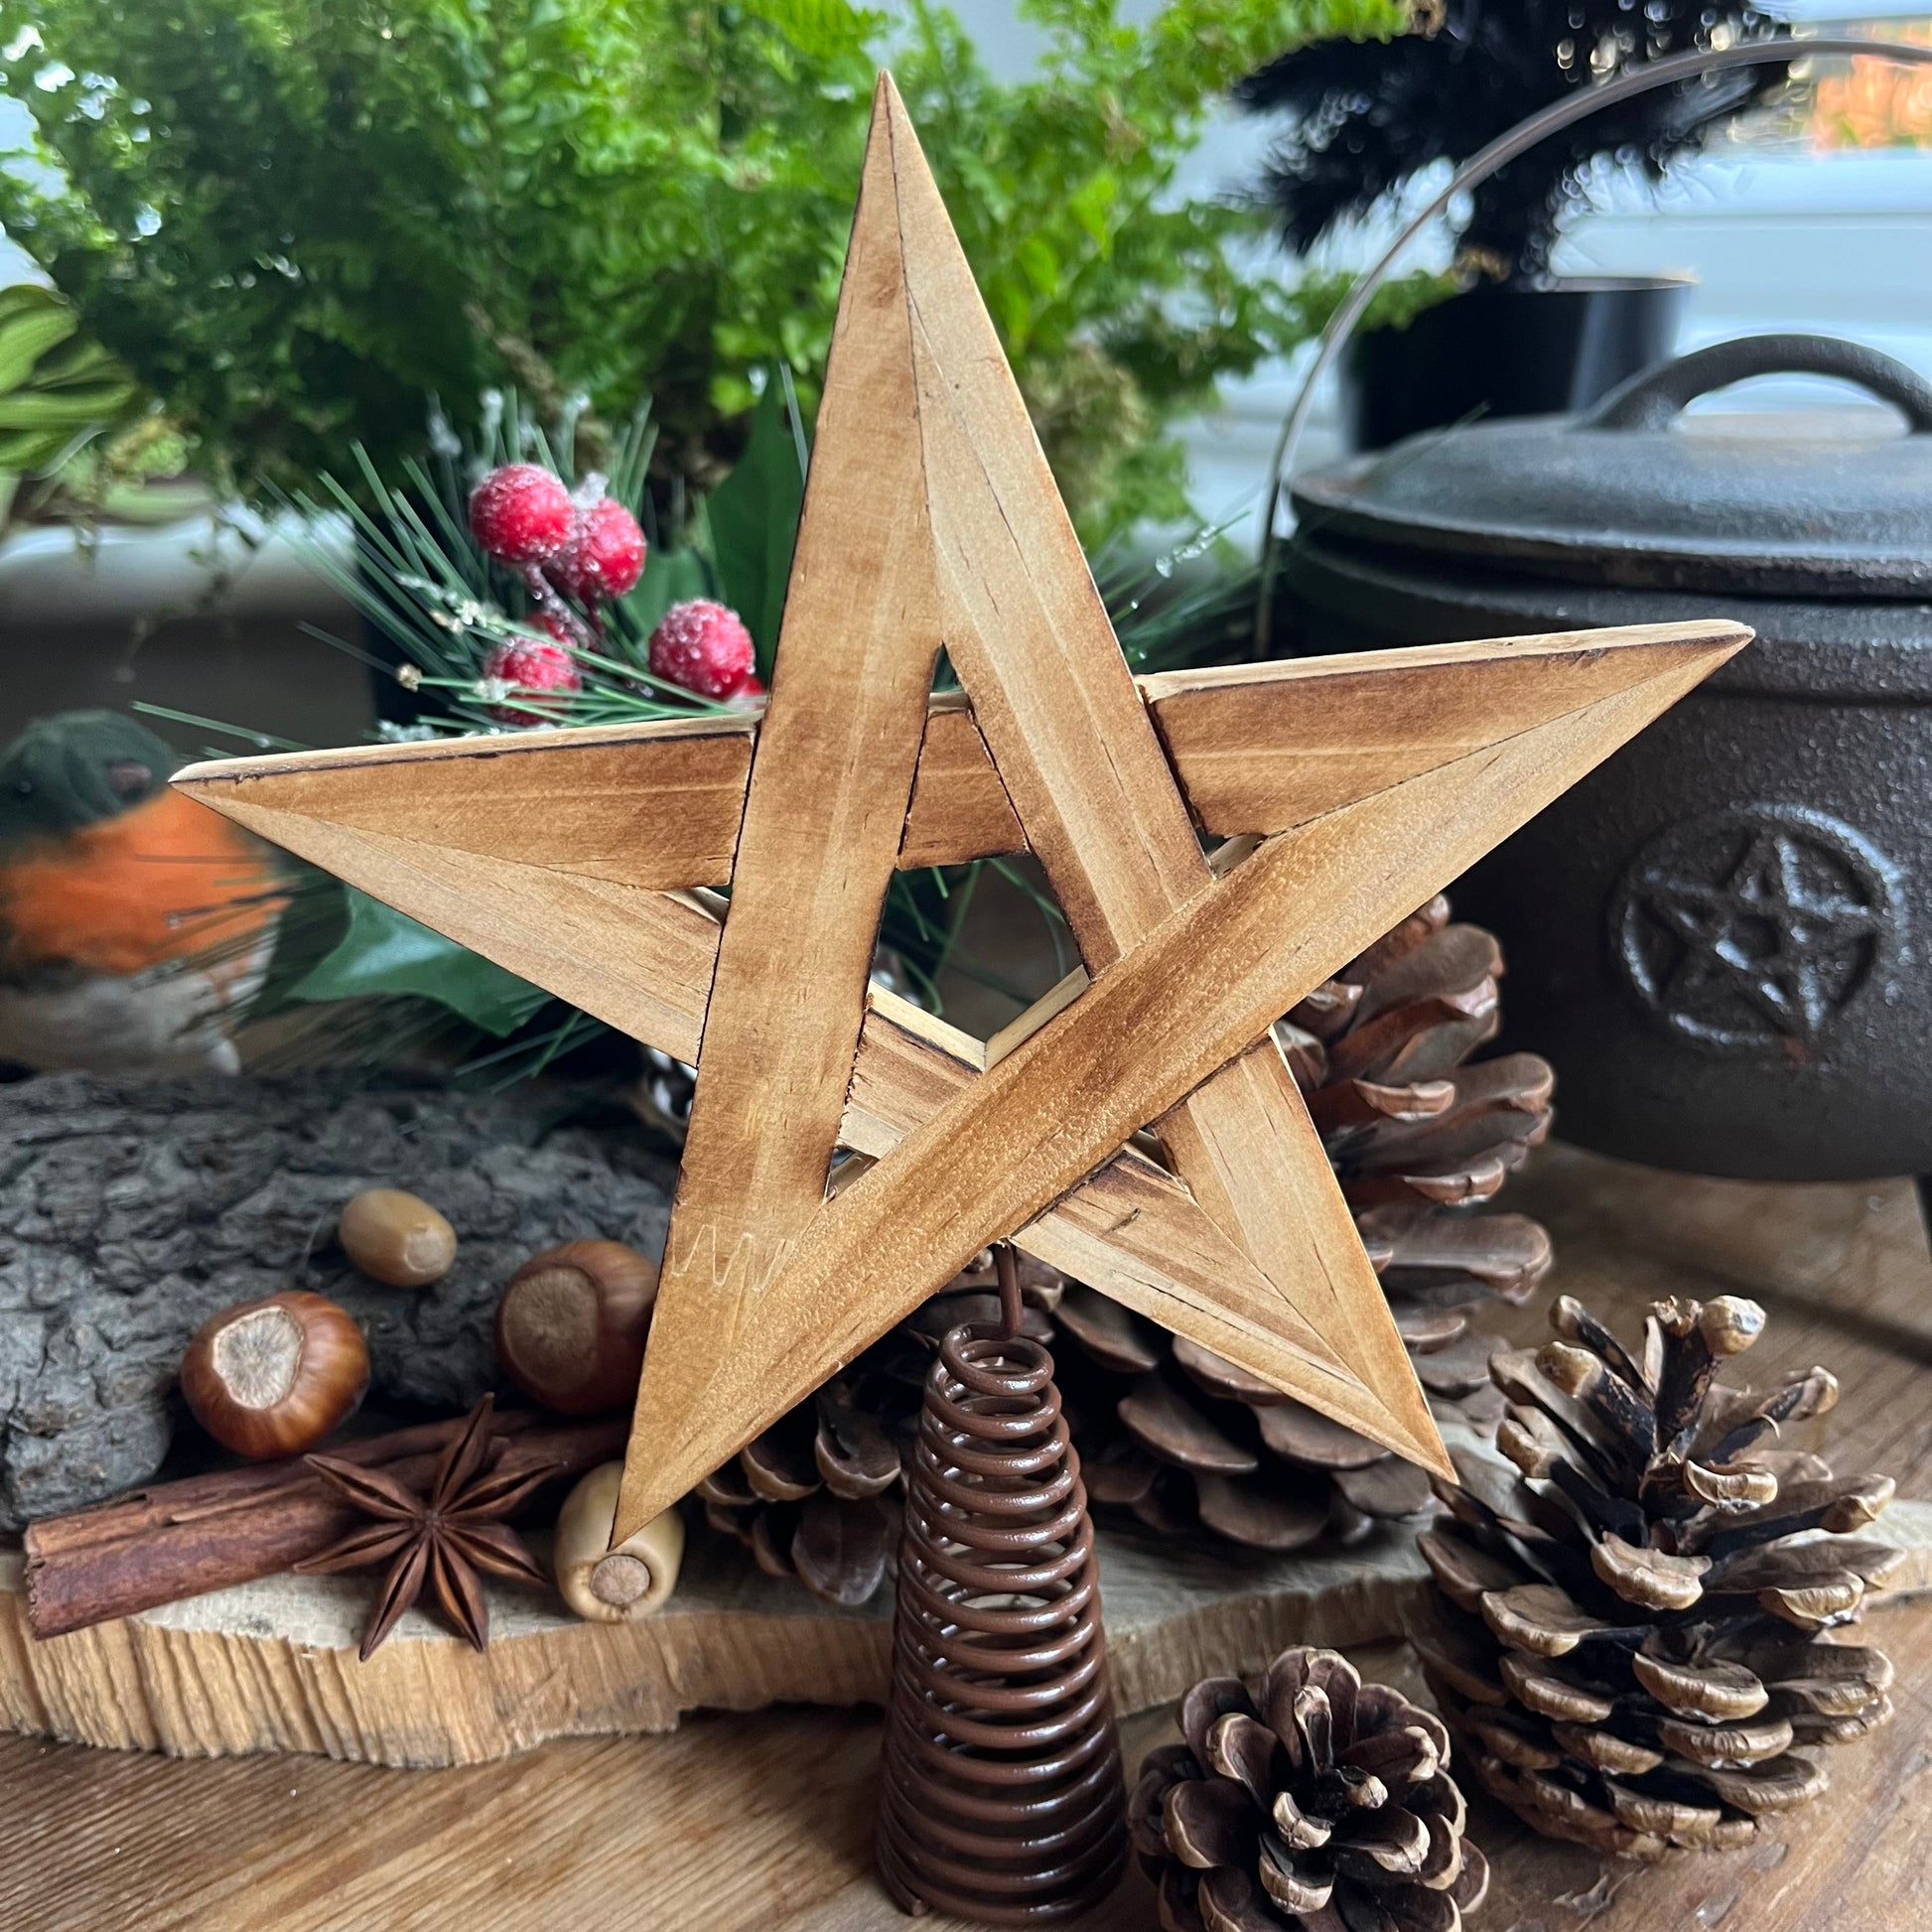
point(385, 952)
point(753, 517)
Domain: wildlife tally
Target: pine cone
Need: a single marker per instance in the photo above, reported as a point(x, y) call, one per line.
point(1323, 1802)
point(1178, 1435)
point(816, 1497)
point(1632, 1638)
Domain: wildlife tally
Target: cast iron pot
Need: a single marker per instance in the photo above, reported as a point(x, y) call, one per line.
point(1517, 348)
point(1720, 936)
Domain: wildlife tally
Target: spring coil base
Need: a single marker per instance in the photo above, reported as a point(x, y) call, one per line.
point(1003, 1792)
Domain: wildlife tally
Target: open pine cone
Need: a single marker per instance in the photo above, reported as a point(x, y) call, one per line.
point(1629, 1627)
point(1321, 1802)
point(1418, 1136)
point(816, 1497)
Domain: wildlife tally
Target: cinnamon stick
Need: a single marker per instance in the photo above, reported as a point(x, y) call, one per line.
point(183, 1539)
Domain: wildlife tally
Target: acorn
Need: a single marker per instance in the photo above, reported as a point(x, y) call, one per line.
point(572, 1322)
point(606, 1585)
point(395, 1238)
point(273, 1377)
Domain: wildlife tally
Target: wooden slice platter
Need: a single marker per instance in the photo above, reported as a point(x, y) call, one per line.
point(271, 1666)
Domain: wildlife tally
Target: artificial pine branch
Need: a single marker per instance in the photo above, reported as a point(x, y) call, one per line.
point(1366, 116)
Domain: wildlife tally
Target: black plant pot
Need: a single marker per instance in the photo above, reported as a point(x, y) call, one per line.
point(1509, 350)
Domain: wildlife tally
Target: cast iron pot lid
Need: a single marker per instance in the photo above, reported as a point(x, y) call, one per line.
point(1625, 494)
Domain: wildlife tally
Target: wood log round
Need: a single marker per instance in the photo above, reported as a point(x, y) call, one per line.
point(271, 1666)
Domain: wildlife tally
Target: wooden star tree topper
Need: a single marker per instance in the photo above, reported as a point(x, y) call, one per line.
point(1349, 790)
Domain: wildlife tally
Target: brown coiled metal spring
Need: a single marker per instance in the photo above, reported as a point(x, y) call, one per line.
point(1003, 1788)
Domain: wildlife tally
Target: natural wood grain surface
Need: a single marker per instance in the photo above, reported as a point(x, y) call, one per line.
point(656, 806)
point(1265, 747)
point(831, 782)
point(1198, 991)
point(763, 1824)
point(960, 809)
point(1028, 637)
point(273, 1666)
point(1255, 747)
point(642, 960)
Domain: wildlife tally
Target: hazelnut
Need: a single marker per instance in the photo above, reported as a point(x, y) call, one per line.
point(394, 1238)
point(571, 1325)
point(614, 1586)
point(274, 1377)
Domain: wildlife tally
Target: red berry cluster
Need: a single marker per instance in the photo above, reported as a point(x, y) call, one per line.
point(703, 647)
point(531, 665)
point(604, 555)
point(521, 514)
point(587, 548)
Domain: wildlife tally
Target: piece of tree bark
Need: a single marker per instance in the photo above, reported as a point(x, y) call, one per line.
point(235, 1526)
point(132, 1210)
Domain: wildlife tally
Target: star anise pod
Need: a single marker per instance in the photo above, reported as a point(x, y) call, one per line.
point(439, 1539)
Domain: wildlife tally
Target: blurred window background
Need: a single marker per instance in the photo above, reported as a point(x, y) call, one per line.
point(1814, 218)
point(1815, 215)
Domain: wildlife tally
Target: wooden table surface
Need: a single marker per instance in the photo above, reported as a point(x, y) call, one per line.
point(764, 1823)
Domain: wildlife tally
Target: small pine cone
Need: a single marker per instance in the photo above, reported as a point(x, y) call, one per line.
point(1628, 1624)
point(1179, 1437)
point(816, 1497)
point(663, 1093)
point(1320, 1802)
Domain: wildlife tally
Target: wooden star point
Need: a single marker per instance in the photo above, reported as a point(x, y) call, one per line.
point(1357, 788)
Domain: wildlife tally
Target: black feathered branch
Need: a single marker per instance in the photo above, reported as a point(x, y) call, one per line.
point(1365, 116)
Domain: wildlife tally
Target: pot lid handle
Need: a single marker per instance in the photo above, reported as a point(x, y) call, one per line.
point(1651, 399)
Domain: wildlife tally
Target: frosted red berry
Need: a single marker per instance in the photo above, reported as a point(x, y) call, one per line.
point(604, 555)
point(521, 514)
point(532, 665)
point(701, 646)
point(749, 696)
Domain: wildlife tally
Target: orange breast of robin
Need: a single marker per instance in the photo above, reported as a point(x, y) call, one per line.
point(169, 879)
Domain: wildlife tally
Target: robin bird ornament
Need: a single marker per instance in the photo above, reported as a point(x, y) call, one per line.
point(135, 924)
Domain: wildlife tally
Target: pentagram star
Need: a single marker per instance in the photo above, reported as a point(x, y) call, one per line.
point(1350, 791)
point(1763, 932)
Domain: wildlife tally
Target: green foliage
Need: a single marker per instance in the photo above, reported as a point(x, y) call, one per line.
point(384, 953)
point(1395, 305)
point(295, 219)
point(424, 581)
point(58, 389)
point(1121, 301)
point(79, 439)
point(754, 518)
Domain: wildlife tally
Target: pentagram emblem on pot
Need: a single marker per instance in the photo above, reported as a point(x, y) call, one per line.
point(1751, 929)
